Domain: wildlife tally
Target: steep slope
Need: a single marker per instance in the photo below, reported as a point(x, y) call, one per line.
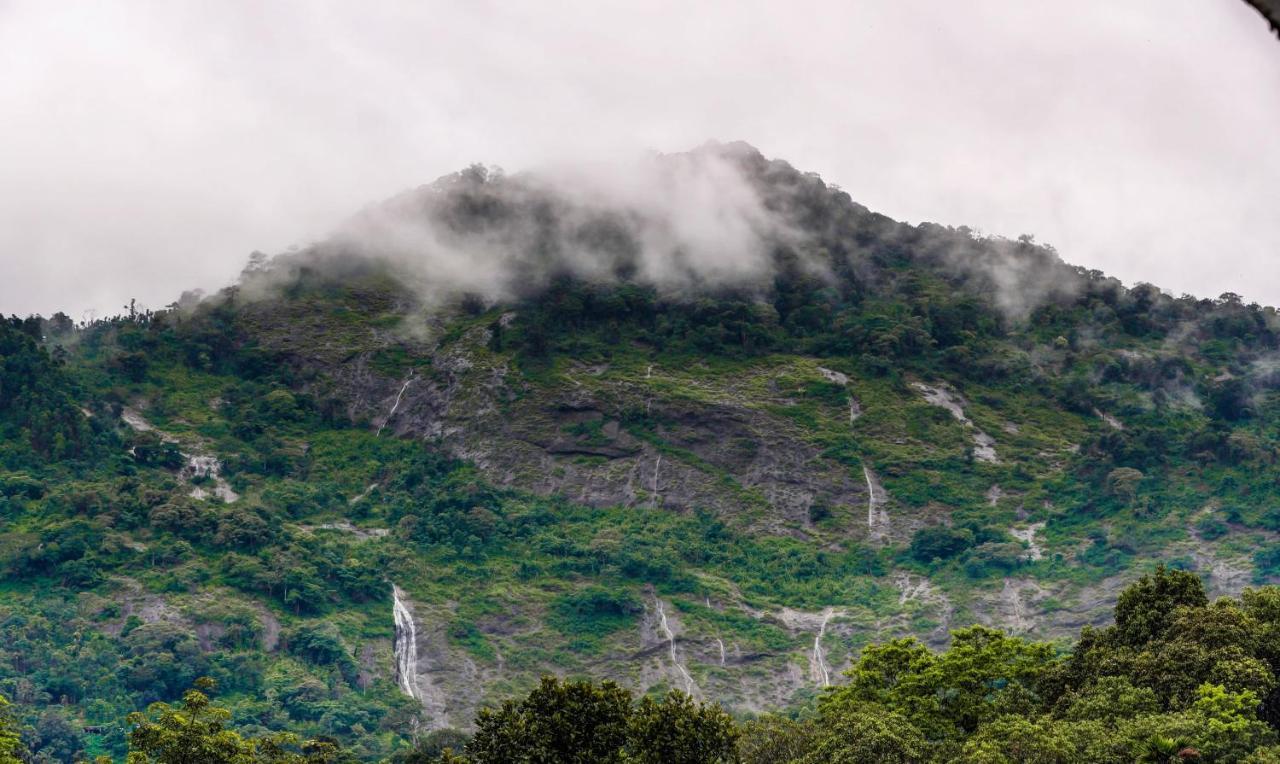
point(370, 487)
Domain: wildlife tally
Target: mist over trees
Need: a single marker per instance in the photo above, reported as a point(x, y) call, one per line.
point(1128, 421)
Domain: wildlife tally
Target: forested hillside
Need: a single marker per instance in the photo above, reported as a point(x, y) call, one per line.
point(369, 491)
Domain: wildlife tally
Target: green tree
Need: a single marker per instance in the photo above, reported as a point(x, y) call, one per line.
point(1145, 609)
point(432, 747)
point(868, 735)
point(939, 542)
point(558, 723)
point(1163, 749)
point(10, 741)
point(773, 739)
point(1019, 740)
point(983, 675)
point(57, 737)
point(679, 730)
point(196, 732)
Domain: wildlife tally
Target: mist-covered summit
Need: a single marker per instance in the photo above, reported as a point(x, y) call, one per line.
point(548, 304)
point(701, 422)
point(720, 218)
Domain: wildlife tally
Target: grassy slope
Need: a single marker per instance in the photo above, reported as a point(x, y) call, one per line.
point(510, 584)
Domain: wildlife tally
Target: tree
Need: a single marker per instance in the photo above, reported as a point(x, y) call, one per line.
point(432, 747)
point(869, 735)
point(196, 733)
point(1162, 749)
point(1019, 740)
point(1145, 609)
point(1122, 482)
point(1110, 697)
point(10, 741)
point(679, 730)
point(57, 737)
point(133, 366)
point(774, 739)
point(558, 723)
point(940, 542)
point(985, 674)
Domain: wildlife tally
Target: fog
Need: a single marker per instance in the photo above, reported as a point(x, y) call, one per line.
point(676, 222)
point(148, 148)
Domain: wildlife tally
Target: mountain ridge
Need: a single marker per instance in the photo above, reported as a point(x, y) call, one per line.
point(651, 470)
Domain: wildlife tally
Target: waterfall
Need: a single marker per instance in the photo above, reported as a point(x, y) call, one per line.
point(395, 405)
point(877, 516)
point(871, 500)
point(657, 497)
point(720, 642)
point(820, 672)
point(363, 494)
point(405, 645)
point(689, 686)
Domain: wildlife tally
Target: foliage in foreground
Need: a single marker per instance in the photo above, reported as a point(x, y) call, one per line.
point(196, 731)
point(101, 522)
point(1176, 679)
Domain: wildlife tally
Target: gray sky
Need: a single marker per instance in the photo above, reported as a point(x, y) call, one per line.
point(147, 148)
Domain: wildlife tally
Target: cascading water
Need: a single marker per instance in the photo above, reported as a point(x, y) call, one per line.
point(871, 499)
point(657, 497)
point(394, 405)
point(405, 645)
point(363, 494)
point(720, 642)
point(877, 516)
point(689, 686)
point(821, 674)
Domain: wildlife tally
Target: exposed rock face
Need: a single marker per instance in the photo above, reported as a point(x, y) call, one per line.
point(198, 465)
point(1027, 535)
point(569, 438)
point(422, 660)
point(984, 446)
point(650, 437)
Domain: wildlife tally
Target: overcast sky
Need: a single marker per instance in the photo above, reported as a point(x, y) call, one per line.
point(148, 148)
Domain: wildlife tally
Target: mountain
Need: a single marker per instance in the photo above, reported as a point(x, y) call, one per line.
point(704, 424)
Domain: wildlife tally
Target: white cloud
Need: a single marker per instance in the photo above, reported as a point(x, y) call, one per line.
point(146, 148)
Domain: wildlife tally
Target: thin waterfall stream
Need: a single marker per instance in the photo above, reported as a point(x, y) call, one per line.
point(877, 515)
point(657, 497)
point(871, 499)
point(394, 406)
point(822, 674)
point(689, 686)
point(405, 645)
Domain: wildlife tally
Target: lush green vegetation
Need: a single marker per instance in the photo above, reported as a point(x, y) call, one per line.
point(204, 491)
point(1176, 679)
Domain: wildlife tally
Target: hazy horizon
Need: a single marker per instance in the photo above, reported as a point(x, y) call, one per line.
point(149, 148)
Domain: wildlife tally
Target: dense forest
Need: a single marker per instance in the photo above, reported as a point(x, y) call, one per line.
point(900, 497)
point(1175, 679)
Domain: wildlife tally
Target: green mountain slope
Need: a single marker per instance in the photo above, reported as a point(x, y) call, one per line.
point(726, 482)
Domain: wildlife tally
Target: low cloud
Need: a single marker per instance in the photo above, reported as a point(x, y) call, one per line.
point(719, 217)
point(678, 222)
